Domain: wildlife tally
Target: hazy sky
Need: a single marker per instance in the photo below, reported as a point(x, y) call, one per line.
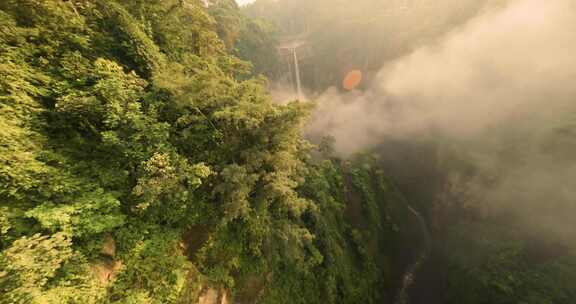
point(242, 2)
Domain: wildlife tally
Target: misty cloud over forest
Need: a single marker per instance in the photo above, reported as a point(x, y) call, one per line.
point(500, 89)
point(514, 63)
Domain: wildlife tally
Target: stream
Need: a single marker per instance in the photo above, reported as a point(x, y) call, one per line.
point(409, 276)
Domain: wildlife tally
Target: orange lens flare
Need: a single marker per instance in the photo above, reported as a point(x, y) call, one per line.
point(352, 80)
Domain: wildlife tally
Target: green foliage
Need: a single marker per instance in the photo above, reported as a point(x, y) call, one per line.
point(35, 260)
point(228, 20)
point(93, 213)
point(153, 265)
point(493, 265)
point(45, 269)
point(137, 47)
point(341, 265)
point(129, 119)
point(256, 42)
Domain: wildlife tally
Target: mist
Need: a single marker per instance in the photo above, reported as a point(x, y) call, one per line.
point(498, 88)
point(514, 62)
point(244, 2)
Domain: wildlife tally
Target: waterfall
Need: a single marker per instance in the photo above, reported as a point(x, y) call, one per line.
point(297, 74)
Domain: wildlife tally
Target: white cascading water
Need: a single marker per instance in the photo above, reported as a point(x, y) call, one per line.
point(297, 74)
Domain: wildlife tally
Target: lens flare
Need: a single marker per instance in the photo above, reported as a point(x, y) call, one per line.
point(352, 80)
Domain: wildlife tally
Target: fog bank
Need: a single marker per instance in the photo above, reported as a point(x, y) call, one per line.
point(511, 63)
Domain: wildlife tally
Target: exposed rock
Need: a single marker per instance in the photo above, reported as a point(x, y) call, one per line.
point(214, 296)
point(209, 296)
point(224, 298)
point(106, 271)
point(109, 246)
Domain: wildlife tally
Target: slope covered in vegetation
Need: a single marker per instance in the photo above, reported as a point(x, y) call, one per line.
point(140, 163)
point(477, 135)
